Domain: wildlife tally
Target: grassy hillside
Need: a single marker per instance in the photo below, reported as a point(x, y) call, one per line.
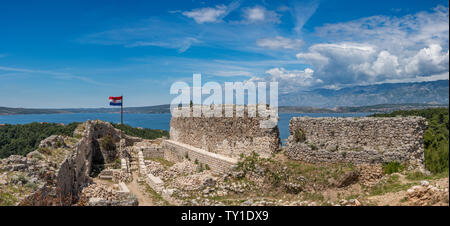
point(435, 137)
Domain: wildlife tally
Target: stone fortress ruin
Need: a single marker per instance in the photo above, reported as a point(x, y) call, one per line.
point(200, 152)
point(358, 140)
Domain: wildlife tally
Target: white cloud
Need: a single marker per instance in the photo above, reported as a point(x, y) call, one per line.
point(289, 80)
point(386, 64)
point(259, 14)
point(302, 12)
point(355, 63)
point(279, 42)
point(397, 34)
point(181, 44)
point(207, 15)
point(211, 15)
point(408, 48)
point(428, 61)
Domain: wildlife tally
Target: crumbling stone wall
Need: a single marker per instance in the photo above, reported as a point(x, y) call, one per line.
point(150, 149)
point(64, 185)
point(357, 140)
point(229, 136)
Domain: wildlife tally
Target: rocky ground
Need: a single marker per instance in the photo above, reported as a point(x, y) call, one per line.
point(280, 181)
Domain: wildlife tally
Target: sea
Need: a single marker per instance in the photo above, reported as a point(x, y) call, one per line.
point(151, 121)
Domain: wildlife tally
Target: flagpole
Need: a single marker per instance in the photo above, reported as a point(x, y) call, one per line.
point(121, 122)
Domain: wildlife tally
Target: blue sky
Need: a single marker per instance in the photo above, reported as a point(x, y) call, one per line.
point(61, 54)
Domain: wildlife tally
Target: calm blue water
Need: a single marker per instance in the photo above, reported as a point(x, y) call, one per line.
point(152, 121)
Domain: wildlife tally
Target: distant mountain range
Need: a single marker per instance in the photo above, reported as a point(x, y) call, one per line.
point(374, 98)
point(435, 92)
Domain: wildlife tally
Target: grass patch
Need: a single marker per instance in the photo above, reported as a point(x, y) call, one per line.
point(6, 199)
point(416, 176)
point(155, 196)
point(163, 162)
point(392, 184)
point(392, 167)
point(313, 196)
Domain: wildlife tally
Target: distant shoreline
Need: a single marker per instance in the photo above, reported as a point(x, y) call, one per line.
point(165, 109)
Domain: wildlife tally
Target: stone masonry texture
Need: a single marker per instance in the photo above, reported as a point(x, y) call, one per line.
point(228, 136)
point(357, 140)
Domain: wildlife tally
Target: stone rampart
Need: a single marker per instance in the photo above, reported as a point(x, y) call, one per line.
point(228, 136)
point(357, 140)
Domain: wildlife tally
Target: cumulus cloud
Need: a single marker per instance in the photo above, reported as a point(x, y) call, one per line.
point(408, 48)
point(354, 63)
point(260, 14)
point(279, 42)
point(429, 60)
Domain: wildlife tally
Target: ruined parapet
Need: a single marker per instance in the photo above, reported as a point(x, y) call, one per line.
point(149, 149)
point(357, 140)
point(228, 136)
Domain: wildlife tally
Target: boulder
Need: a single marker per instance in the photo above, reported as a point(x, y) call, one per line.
point(348, 179)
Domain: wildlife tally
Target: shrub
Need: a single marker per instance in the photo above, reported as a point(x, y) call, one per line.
point(142, 133)
point(392, 167)
point(107, 143)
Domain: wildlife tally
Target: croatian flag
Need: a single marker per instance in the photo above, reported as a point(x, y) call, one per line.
point(115, 101)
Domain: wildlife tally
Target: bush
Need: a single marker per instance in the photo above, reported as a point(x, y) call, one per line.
point(107, 143)
point(392, 167)
point(142, 133)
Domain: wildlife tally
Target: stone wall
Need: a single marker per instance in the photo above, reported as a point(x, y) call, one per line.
point(63, 187)
point(229, 136)
point(150, 149)
point(357, 140)
point(176, 152)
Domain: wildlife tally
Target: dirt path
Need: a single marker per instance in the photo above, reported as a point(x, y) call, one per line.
point(396, 198)
point(143, 198)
